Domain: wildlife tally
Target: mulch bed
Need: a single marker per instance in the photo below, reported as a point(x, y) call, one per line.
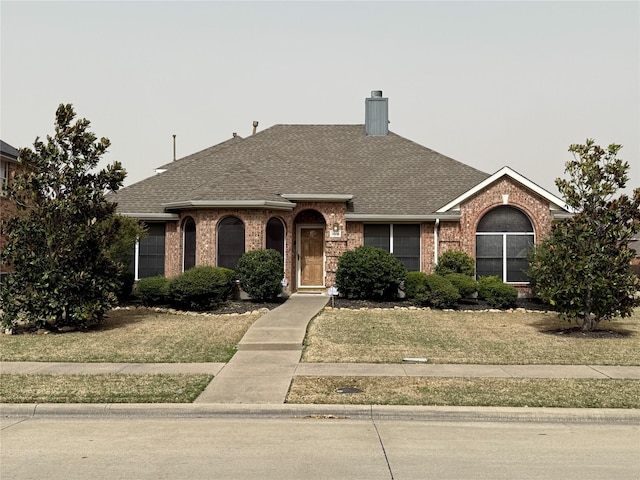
point(468, 304)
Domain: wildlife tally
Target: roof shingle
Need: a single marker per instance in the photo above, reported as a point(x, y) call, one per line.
point(387, 175)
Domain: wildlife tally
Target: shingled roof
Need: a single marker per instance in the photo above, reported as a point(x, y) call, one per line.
point(385, 175)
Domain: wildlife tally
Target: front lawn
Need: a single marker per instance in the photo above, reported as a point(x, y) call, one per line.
point(136, 336)
point(519, 338)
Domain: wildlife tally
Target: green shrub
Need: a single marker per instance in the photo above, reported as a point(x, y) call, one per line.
point(369, 273)
point(431, 290)
point(232, 282)
point(455, 261)
point(126, 279)
point(153, 290)
point(438, 292)
point(200, 288)
point(260, 273)
point(497, 293)
point(414, 284)
point(466, 285)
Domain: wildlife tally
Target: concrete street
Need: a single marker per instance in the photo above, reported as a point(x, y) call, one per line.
point(297, 444)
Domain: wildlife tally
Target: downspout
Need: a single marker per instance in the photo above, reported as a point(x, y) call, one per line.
point(436, 229)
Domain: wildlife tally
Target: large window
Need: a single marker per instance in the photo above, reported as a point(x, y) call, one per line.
point(503, 238)
point(151, 252)
point(230, 242)
point(275, 235)
point(188, 244)
point(403, 240)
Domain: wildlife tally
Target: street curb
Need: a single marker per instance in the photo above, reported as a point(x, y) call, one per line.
point(329, 412)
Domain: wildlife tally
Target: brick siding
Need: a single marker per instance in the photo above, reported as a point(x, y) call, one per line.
point(452, 235)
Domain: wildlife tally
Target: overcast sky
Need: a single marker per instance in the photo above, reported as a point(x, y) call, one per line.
point(487, 83)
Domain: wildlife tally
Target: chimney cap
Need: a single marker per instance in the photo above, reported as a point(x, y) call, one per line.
point(376, 93)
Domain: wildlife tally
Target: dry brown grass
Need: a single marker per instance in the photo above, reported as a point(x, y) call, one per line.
point(102, 388)
point(507, 392)
point(136, 336)
point(388, 336)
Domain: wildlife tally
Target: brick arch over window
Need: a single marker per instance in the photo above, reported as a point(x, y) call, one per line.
point(231, 242)
point(188, 244)
point(310, 217)
point(504, 236)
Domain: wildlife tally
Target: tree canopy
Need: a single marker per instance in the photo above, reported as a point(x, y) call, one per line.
point(583, 267)
point(61, 241)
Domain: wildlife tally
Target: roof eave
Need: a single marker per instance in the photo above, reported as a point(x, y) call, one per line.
point(317, 197)
point(151, 216)
point(201, 204)
point(432, 217)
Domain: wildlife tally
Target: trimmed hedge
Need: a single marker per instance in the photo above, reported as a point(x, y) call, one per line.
point(200, 288)
point(414, 284)
point(466, 285)
point(260, 273)
point(369, 273)
point(431, 290)
point(455, 261)
point(497, 293)
point(153, 290)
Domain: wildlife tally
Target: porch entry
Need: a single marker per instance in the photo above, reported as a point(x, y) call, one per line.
point(310, 257)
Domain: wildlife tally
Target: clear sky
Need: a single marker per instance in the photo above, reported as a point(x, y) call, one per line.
point(487, 83)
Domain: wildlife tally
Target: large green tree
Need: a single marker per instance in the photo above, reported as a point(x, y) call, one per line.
point(583, 267)
point(60, 241)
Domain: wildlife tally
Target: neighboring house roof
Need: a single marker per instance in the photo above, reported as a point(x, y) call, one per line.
point(380, 175)
point(8, 152)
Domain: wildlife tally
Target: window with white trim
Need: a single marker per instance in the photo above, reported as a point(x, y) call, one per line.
point(504, 237)
point(403, 240)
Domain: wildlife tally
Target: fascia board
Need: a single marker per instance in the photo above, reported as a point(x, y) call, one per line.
point(317, 197)
point(151, 216)
point(366, 217)
point(198, 204)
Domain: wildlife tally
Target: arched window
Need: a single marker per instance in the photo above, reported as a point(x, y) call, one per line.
point(230, 242)
point(275, 235)
point(188, 244)
point(503, 239)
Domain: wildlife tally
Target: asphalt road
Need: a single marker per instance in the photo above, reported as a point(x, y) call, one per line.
point(315, 447)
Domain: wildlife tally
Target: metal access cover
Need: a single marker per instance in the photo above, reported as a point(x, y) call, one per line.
point(348, 390)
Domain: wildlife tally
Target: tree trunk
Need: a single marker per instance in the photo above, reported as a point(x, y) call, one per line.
point(589, 322)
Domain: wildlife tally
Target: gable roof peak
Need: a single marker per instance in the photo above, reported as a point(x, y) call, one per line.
point(507, 172)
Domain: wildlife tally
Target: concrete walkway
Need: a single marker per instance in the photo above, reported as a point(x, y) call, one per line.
point(268, 358)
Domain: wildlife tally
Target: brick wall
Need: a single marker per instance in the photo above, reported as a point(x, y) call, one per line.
point(255, 221)
point(451, 235)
